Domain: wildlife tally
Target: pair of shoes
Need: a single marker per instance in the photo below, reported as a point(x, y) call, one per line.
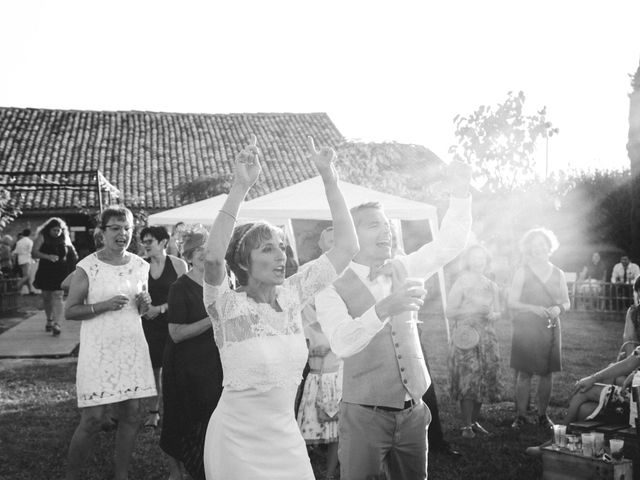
point(152, 419)
point(444, 448)
point(544, 421)
point(480, 429)
point(49, 326)
point(55, 329)
point(519, 422)
point(467, 432)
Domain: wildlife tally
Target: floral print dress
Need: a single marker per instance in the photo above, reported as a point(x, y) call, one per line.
point(473, 372)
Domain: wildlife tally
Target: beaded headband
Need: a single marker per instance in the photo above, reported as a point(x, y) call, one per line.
point(241, 241)
point(244, 236)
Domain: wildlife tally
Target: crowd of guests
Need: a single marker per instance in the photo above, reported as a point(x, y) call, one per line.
point(211, 332)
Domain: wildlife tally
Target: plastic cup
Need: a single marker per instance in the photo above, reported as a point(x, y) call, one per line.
point(616, 445)
point(588, 441)
point(598, 445)
point(572, 442)
point(560, 435)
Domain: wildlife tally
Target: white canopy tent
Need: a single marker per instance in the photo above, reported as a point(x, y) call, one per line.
point(306, 200)
point(198, 212)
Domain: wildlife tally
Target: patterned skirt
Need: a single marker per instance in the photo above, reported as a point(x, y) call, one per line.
point(474, 373)
point(317, 430)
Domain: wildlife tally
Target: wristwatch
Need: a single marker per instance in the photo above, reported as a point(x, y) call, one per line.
point(163, 309)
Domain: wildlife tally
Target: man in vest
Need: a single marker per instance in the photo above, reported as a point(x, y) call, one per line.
point(371, 323)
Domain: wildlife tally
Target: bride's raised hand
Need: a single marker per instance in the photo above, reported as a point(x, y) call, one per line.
point(248, 164)
point(323, 160)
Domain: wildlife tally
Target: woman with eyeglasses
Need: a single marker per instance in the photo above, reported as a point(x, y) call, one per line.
point(108, 293)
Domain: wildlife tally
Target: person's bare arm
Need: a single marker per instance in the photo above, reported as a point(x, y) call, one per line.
point(180, 332)
point(36, 253)
point(247, 169)
point(77, 309)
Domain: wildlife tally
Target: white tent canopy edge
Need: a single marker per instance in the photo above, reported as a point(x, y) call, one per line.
point(305, 200)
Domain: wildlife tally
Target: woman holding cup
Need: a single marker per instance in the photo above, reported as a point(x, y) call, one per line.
point(538, 297)
point(108, 293)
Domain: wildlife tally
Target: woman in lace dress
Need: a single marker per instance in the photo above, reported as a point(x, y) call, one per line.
point(108, 293)
point(253, 433)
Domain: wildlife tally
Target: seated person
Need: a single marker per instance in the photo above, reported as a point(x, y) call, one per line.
point(608, 402)
point(591, 278)
point(631, 335)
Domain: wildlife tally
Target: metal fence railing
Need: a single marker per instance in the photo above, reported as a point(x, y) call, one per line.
point(600, 296)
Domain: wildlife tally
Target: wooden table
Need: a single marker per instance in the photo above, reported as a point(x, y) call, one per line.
point(561, 464)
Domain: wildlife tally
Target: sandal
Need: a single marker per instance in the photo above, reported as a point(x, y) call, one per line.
point(467, 432)
point(480, 429)
point(153, 419)
point(545, 422)
point(519, 422)
point(55, 329)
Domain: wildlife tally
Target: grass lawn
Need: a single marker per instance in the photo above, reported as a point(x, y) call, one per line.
point(38, 413)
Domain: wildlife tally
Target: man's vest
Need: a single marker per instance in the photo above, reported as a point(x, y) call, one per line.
point(392, 364)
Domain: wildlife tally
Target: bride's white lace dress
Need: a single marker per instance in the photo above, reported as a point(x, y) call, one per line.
point(253, 433)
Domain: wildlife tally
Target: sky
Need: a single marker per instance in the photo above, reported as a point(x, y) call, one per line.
point(383, 71)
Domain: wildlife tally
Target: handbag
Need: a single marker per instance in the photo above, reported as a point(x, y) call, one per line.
point(465, 337)
point(325, 402)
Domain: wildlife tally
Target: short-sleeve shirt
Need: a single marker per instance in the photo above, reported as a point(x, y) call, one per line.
point(23, 250)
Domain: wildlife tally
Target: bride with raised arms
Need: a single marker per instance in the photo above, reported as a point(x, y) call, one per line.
point(252, 433)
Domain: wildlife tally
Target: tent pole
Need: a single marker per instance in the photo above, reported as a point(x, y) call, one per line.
point(443, 297)
point(443, 293)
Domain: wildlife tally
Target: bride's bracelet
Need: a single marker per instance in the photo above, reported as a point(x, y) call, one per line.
point(229, 214)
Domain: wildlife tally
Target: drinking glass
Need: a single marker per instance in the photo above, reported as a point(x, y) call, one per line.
point(587, 444)
point(559, 435)
point(598, 445)
point(616, 445)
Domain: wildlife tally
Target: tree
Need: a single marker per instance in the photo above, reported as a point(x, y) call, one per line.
point(9, 207)
point(201, 188)
point(499, 142)
point(633, 149)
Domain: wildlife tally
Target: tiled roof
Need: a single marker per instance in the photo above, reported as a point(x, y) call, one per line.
point(145, 154)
